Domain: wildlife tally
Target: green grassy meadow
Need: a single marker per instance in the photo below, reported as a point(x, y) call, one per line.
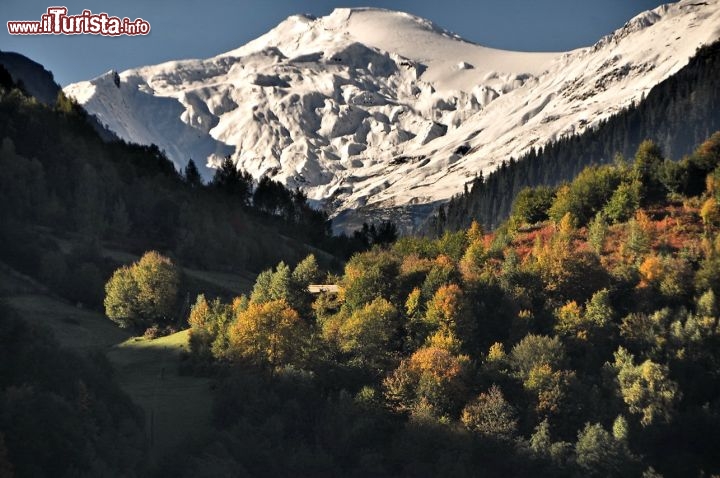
point(177, 407)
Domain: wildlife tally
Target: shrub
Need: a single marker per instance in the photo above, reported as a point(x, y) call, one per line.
point(531, 204)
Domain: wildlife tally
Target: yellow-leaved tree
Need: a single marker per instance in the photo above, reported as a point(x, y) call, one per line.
point(368, 333)
point(646, 388)
point(432, 378)
point(269, 333)
point(144, 293)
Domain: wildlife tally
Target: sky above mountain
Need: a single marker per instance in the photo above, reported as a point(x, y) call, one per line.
point(203, 28)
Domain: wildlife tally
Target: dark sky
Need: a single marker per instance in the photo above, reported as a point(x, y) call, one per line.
point(204, 28)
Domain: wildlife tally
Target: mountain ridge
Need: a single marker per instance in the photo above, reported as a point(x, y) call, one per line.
point(358, 126)
point(39, 82)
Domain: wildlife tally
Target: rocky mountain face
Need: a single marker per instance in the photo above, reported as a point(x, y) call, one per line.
point(381, 114)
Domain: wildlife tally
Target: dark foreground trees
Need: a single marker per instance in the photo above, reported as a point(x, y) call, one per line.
point(61, 414)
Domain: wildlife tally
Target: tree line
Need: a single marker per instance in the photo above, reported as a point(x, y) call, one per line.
point(677, 114)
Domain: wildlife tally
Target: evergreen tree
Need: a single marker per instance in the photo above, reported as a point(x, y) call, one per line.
point(192, 175)
point(273, 198)
point(6, 80)
point(385, 233)
point(647, 170)
point(89, 203)
point(597, 231)
point(120, 220)
point(233, 181)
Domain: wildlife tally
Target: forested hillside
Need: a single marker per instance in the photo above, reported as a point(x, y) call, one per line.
point(67, 196)
point(579, 339)
point(677, 114)
point(74, 207)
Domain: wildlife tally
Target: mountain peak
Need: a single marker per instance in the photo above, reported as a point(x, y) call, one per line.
point(386, 29)
point(399, 34)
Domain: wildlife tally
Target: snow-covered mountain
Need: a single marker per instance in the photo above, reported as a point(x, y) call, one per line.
point(375, 110)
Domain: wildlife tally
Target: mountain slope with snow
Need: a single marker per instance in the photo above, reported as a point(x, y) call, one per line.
point(369, 109)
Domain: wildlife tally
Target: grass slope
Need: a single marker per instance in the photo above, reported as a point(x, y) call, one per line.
point(176, 407)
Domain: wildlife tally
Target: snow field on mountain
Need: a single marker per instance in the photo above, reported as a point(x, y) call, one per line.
point(373, 109)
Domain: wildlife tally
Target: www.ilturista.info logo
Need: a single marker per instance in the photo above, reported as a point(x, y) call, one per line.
point(57, 22)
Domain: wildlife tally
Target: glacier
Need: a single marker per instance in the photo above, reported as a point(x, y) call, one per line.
point(382, 114)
